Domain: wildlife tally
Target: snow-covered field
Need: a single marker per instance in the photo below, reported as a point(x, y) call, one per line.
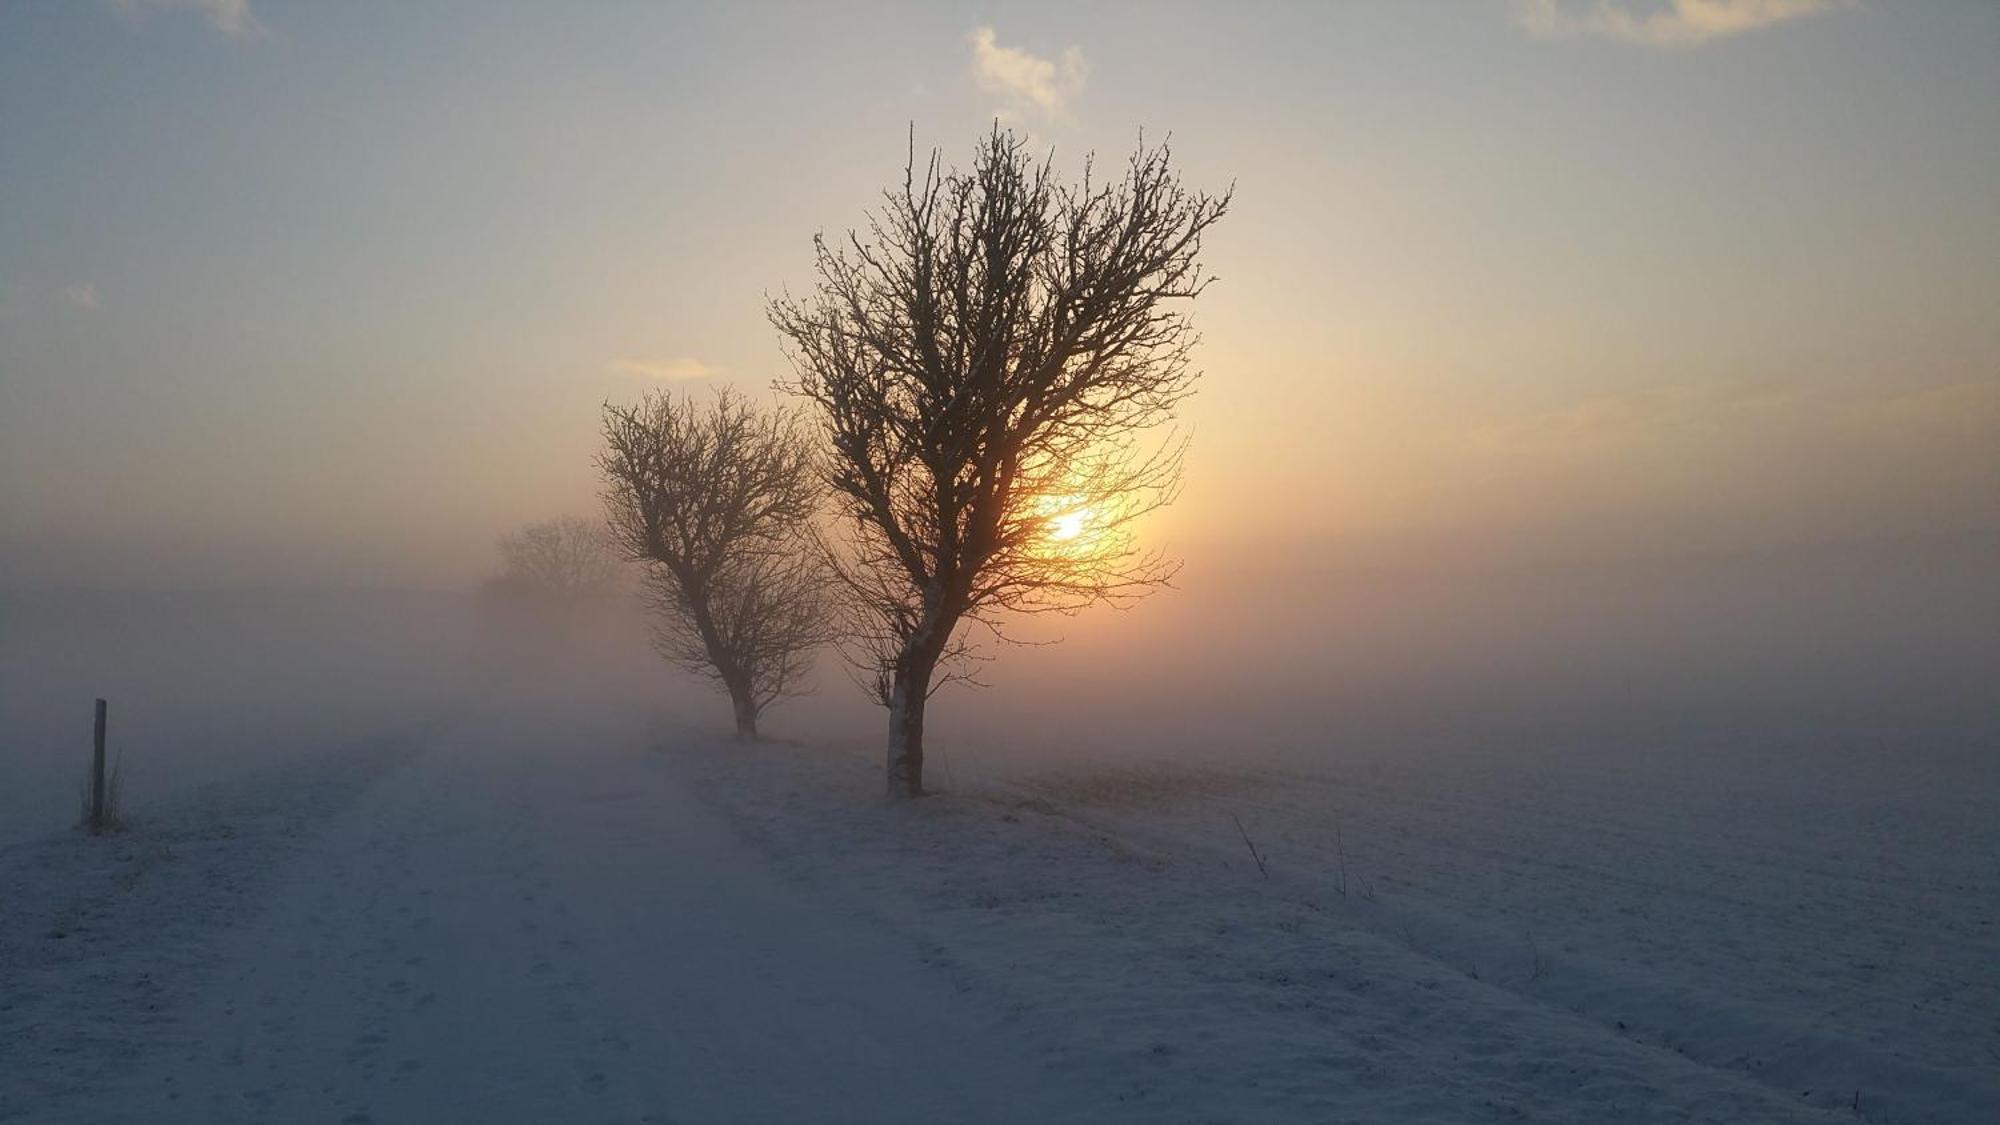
point(554, 912)
point(1568, 942)
point(427, 881)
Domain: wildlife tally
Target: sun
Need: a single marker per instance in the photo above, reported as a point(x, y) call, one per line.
point(1068, 525)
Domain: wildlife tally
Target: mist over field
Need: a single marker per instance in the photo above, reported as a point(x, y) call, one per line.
point(1872, 658)
point(1821, 638)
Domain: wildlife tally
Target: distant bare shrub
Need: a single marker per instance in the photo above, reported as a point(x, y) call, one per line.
point(559, 561)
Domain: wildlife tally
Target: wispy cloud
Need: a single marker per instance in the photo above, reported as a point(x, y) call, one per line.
point(670, 370)
point(82, 295)
point(1925, 413)
point(1744, 415)
point(231, 17)
point(1023, 81)
point(1664, 23)
point(1645, 415)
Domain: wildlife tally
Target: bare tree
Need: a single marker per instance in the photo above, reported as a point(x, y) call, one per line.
point(717, 503)
point(565, 559)
point(994, 364)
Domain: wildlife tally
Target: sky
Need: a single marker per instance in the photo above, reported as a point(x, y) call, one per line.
point(332, 294)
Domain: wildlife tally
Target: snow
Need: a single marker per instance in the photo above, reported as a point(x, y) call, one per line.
point(529, 920)
point(1510, 946)
point(551, 911)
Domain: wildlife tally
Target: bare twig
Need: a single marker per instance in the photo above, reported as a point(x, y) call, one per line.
point(1261, 869)
point(1340, 851)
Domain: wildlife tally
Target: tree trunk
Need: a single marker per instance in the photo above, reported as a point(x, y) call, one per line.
point(746, 711)
point(907, 696)
point(734, 677)
point(910, 691)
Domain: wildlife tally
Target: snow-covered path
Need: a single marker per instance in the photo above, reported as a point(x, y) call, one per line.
point(532, 920)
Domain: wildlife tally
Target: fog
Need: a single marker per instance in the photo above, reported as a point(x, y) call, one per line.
point(1667, 410)
point(1836, 638)
point(1872, 659)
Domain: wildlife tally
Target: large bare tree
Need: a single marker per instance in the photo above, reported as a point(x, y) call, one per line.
point(717, 503)
point(994, 363)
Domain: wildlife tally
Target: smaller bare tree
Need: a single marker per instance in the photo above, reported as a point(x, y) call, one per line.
point(717, 503)
point(567, 559)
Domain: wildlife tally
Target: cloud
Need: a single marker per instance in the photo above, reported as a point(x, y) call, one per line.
point(1663, 23)
point(231, 17)
point(1644, 416)
point(1023, 81)
point(1925, 412)
point(82, 295)
point(1680, 419)
point(669, 370)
